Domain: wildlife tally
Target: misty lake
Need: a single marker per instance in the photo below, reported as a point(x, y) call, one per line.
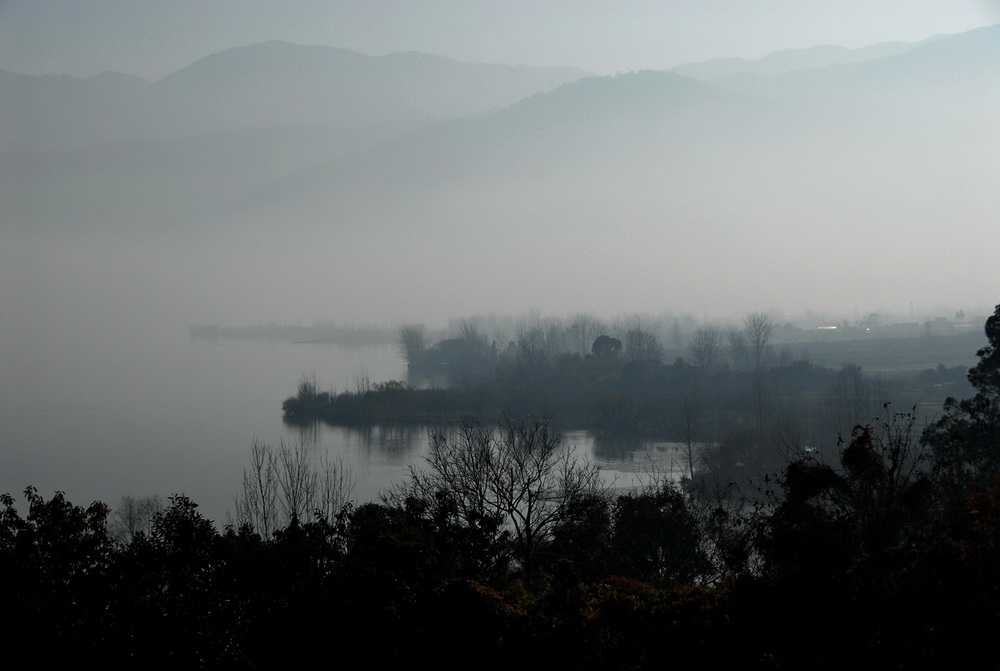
point(153, 411)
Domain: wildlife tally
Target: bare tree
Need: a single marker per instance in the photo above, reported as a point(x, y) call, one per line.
point(706, 343)
point(308, 387)
point(759, 329)
point(641, 344)
point(519, 475)
point(134, 515)
point(476, 355)
point(468, 330)
point(297, 482)
point(499, 341)
point(738, 350)
point(335, 486)
point(257, 503)
point(556, 341)
point(283, 485)
point(706, 346)
point(676, 335)
point(690, 409)
point(411, 343)
point(531, 349)
point(583, 330)
point(362, 382)
point(853, 399)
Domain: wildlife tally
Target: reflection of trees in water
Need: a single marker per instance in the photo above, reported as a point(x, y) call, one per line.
point(632, 463)
point(393, 441)
point(612, 447)
point(626, 459)
point(644, 455)
point(389, 440)
point(307, 432)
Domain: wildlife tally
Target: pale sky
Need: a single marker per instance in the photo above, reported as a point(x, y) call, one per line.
point(152, 39)
point(919, 185)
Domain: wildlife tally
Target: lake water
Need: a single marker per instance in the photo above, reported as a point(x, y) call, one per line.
point(152, 411)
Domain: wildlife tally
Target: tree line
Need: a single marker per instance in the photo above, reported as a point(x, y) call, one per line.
point(732, 399)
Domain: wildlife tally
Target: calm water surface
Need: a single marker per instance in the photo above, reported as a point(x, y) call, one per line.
point(160, 413)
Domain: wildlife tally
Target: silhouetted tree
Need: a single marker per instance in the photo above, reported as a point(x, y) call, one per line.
point(583, 535)
point(134, 515)
point(853, 398)
point(642, 345)
point(519, 474)
point(55, 565)
point(759, 329)
point(657, 538)
point(605, 346)
point(411, 343)
point(178, 608)
point(738, 350)
point(705, 345)
point(583, 330)
point(876, 502)
point(283, 484)
point(531, 346)
point(968, 435)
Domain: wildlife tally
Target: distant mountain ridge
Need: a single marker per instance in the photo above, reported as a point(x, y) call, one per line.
point(278, 127)
point(598, 121)
point(640, 94)
point(968, 61)
point(264, 85)
point(279, 84)
point(790, 60)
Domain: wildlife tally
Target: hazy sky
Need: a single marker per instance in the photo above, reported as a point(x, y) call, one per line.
point(947, 182)
point(152, 39)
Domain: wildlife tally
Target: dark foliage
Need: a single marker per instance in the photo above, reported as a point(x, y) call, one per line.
point(968, 435)
point(56, 564)
point(657, 538)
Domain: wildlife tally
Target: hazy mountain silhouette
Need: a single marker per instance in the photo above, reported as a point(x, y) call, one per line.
point(791, 60)
point(598, 118)
point(114, 145)
point(265, 85)
point(413, 159)
point(961, 64)
point(638, 95)
point(277, 84)
point(583, 120)
point(652, 169)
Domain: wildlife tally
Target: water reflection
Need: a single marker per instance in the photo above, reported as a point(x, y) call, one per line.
point(164, 414)
point(307, 432)
point(395, 442)
point(631, 462)
point(381, 455)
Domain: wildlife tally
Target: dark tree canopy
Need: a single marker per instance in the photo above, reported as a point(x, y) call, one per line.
point(985, 375)
point(969, 432)
point(606, 346)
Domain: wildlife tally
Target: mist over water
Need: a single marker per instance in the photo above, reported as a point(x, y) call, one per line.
point(242, 190)
point(100, 412)
point(146, 411)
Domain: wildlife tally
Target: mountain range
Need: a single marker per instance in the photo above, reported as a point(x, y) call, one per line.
point(423, 151)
